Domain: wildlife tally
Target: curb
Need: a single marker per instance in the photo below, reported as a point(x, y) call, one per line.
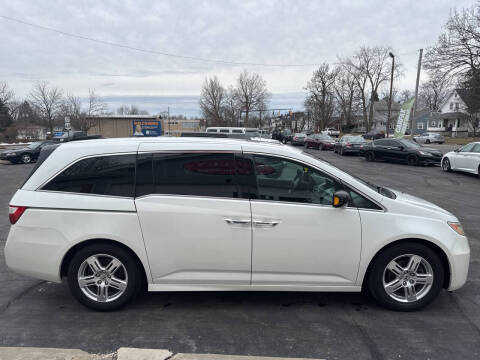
point(30, 353)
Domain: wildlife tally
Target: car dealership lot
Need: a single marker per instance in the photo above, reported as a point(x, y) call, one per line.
point(34, 313)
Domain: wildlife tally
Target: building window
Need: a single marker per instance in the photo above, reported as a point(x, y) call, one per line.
point(451, 106)
point(420, 126)
point(456, 106)
point(433, 123)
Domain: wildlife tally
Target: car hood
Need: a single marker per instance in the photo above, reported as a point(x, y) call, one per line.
point(419, 202)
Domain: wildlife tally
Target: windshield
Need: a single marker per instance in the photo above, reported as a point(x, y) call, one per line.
point(409, 143)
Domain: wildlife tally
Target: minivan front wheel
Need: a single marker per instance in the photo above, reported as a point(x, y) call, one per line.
point(406, 276)
point(103, 277)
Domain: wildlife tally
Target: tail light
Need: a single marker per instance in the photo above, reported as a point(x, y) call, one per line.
point(14, 213)
point(348, 145)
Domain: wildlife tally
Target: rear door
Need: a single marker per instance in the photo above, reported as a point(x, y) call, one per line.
point(195, 223)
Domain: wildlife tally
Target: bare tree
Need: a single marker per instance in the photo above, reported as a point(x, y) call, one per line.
point(48, 101)
point(6, 94)
point(231, 108)
point(131, 110)
point(457, 50)
point(251, 93)
point(372, 66)
point(212, 100)
point(434, 92)
point(347, 95)
point(321, 95)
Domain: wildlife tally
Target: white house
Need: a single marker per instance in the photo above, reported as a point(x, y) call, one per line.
point(453, 117)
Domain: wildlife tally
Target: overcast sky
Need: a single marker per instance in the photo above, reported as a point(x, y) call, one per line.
point(273, 32)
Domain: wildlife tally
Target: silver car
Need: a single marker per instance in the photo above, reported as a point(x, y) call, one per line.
point(429, 138)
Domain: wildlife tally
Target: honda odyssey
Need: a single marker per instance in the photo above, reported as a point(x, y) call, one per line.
point(194, 214)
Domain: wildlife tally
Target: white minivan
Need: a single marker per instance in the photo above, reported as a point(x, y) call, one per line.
point(194, 214)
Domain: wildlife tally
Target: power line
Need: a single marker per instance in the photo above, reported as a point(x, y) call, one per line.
point(149, 51)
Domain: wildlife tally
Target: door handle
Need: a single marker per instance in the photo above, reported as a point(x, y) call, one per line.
point(266, 223)
point(237, 221)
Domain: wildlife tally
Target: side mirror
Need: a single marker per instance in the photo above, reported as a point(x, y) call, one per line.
point(340, 198)
point(401, 148)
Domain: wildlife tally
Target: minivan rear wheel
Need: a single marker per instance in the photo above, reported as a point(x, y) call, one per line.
point(104, 277)
point(406, 276)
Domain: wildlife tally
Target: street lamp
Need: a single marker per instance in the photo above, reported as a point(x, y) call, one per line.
point(390, 97)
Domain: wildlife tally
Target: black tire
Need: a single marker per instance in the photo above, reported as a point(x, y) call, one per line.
point(26, 158)
point(369, 156)
point(412, 160)
point(134, 276)
point(377, 272)
point(341, 151)
point(284, 140)
point(427, 141)
point(446, 165)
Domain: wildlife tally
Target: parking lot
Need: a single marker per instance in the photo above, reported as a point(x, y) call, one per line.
point(310, 325)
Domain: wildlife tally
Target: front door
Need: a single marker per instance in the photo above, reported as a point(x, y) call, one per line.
point(298, 237)
point(196, 226)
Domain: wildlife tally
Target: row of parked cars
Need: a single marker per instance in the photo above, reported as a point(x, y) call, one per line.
point(466, 158)
point(29, 153)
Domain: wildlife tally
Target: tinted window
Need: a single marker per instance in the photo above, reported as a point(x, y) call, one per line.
point(360, 201)
point(285, 180)
point(195, 174)
point(103, 175)
point(381, 142)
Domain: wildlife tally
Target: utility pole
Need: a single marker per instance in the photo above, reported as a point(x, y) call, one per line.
point(413, 124)
point(390, 97)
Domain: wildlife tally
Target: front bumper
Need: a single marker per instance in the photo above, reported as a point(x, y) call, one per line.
point(430, 159)
point(459, 259)
point(12, 158)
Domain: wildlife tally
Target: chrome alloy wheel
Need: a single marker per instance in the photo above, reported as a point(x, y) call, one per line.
point(408, 278)
point(102, 278)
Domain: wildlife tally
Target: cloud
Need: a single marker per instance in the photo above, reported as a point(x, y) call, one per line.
point(279, 32)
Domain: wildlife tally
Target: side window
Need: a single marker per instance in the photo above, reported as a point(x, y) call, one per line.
point(196, 174)
point(476, 148)
point(103, 175)
point(380, 142)
point(284, 180)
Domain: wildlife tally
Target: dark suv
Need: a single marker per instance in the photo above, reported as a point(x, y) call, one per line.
point(401, 150)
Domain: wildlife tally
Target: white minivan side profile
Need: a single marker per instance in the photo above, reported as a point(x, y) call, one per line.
point(194, 214)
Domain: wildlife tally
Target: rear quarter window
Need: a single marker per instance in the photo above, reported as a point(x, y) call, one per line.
point(112, 175)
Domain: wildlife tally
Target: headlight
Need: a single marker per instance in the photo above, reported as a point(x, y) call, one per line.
point(457, 227)
point(424, 153)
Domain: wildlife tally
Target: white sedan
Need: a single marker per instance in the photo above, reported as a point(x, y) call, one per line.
point(466, 158)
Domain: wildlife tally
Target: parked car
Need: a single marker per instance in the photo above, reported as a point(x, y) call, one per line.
point(350, 144)
point(401, 150)
point(25, 155)
point(429, 138)
point(187, 214)
point(374, 134)
point(299, 139)
point(466, 159)
point(284, 135)
point(320, 142)
point(331, 132)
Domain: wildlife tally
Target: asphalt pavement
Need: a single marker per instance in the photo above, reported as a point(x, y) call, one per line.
point(307, 325)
